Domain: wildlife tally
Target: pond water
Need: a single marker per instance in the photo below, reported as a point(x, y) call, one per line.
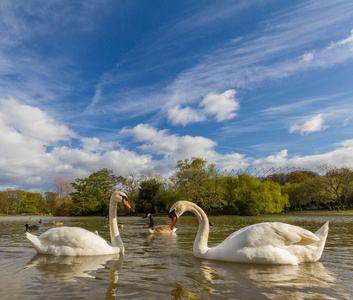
point(163, 267)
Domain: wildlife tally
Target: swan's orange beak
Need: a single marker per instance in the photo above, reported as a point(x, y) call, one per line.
point(126, 203)
point(174, 218)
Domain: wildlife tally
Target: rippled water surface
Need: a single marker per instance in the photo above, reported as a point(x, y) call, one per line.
point(163, 267)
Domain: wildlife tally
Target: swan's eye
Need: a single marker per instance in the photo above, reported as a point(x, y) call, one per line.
point(172, 214)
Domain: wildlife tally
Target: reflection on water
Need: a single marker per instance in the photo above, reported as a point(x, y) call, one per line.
point(71, 268)
point(163, 267)
point(68, 268)
point(275, 282)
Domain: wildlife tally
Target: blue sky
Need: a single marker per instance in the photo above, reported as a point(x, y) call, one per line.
point(135, 86)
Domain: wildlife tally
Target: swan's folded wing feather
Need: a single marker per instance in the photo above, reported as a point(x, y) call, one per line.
point(293, 235)
point(70, 236)
point(274, 233)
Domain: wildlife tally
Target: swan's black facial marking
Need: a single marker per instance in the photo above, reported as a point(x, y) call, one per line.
point(172, 213)
point(124, 200)
point(174, 218)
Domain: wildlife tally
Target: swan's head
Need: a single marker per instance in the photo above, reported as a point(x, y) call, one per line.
point(176, 211)
point(120, 197)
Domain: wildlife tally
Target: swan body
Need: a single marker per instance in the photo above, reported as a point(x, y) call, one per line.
point(159, 229)
point(265, 243)
point(75, 241)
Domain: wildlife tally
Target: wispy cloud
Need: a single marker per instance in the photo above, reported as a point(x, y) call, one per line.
point(270, 55)
point(314, 124)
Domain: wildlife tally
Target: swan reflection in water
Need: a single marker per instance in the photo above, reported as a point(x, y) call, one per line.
point(70, 268)
point(272, 281)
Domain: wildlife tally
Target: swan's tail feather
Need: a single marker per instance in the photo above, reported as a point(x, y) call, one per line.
point(322, 234)
point(34, 241)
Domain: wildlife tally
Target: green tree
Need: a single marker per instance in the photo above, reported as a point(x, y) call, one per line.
point(254, 198)
point(148, 190)
point(27, 202)
point(164, 199)
point(313, 192)
point(339, 182)
point(49, 199)
point(229, 184)
point(8, 202)
point(92, 194)
point(297, 177)
point(198, 182)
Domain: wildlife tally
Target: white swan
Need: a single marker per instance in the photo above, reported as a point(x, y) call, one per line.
point(267, 243)
point(159, 229)
point(75, 241)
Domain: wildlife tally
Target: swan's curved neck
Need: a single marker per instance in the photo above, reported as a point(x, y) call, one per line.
point(200, 243)
point(113, 225)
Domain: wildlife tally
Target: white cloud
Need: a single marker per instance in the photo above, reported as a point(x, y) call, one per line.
point(222, 106)
point(174, 147)
point(279, 158)
point(314, 124)
point(308, 56)
point(345, 41)
point(33, 122)
point(342, 156)
point(161, 142)
point(27, 162)
point(184, 116)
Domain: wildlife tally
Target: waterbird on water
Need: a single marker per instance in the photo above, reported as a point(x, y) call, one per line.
point(75, 241)
point(31, 227)
point(265, 243)
point(159, 229)
point(54, 223)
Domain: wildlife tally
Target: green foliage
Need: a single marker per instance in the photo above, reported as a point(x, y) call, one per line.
point(230, 184)
point(294, 193)
point(148, 190)
point(93, 193)
point(248, 196)
point(297, 177)
point(194, 180)
point(198, 182)
point(164, 199)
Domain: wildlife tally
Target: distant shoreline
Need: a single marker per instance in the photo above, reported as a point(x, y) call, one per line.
point(324, 213)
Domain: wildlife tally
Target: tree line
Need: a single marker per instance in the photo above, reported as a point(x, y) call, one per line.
point(194, 180)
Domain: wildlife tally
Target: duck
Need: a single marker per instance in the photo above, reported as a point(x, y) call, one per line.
point(159, 229)
point(31, 227)
point(54, 223)
point(262, 243)
point(76, 241)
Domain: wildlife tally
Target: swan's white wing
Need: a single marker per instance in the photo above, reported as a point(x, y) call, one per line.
point(266, 243)
point(275, 234)
point(71, 236)
point(71, 241)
